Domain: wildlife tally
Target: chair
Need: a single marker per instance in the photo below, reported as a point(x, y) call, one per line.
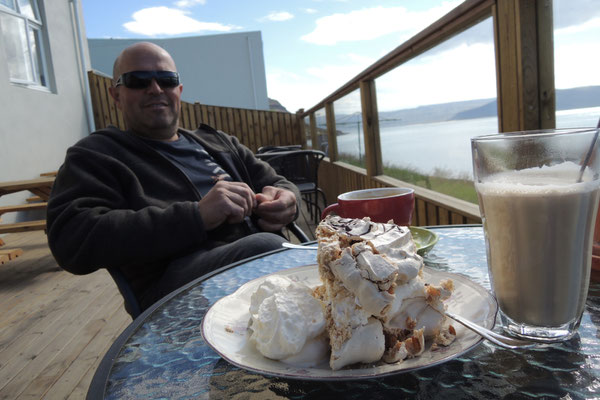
point(132, 306)
point(274, 149)
point(298, 232)
point(302, 168)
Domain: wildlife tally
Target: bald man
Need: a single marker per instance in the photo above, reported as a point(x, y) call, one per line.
point(162, 204)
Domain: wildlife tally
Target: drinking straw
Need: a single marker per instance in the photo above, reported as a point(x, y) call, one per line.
point(589, 153)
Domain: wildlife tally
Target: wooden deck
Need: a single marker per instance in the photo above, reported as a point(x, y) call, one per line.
point(55, 327)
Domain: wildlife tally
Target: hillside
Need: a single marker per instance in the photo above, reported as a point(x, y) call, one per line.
point(275, 105)
point(567, 99)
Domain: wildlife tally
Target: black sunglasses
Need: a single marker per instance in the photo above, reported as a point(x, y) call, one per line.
point(143, 79)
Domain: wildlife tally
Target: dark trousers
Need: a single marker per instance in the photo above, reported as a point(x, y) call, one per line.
point(185, 269)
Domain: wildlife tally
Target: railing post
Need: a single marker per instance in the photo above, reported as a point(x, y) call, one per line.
point(524, 59)
point(331, 132)
point(546, 56)
point(301, 127)
point(370, 121)
point(313, 131)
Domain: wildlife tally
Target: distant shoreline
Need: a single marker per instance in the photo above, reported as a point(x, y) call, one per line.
point(444, 147)
point(566, 99)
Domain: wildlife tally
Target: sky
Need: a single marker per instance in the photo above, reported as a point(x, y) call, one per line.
point(313, 47)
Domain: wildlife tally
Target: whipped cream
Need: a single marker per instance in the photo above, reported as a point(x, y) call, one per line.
point(288, 323)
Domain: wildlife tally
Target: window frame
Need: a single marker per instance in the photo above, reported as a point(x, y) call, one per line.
point(35, 36)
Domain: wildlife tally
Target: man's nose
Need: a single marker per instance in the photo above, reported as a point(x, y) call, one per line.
point(154, 87)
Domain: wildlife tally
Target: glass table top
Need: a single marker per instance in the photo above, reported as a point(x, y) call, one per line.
point(163, 355)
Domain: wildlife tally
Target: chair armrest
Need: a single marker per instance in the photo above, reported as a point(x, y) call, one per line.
point(298, 232)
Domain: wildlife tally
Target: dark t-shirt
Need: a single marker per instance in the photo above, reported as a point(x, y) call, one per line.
point(193, 160)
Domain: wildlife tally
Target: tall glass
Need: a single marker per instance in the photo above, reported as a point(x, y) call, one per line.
point(539, 209)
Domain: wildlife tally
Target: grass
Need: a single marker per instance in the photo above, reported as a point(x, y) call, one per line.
point(440, 180)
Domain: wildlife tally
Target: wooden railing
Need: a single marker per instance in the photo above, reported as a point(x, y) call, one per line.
point(523, 39)
point(431, 208)
point(254, 128)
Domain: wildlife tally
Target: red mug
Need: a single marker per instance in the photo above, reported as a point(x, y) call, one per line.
point(381, 205)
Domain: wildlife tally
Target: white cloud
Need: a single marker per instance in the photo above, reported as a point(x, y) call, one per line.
point(576, 64)
point(294, 91)
point(587, 25)
point(371, 23)
point(189, 3)
point(577, 55)
point(277, 16)
point(310, 11)
point(304, 91)
point(169, 21)
point(463, 73)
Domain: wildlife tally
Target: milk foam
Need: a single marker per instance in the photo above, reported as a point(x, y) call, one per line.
point(547, 180)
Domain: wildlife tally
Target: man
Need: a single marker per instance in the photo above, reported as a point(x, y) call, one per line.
point(162, 204)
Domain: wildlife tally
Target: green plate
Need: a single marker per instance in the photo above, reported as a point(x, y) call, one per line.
point(424, 239)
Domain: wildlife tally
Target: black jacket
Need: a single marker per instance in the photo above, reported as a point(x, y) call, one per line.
point(118, 202)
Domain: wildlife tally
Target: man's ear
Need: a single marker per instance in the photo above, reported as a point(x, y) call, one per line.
point(115, 94)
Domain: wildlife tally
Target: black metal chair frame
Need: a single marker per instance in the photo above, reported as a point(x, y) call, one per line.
point(276, 149)
point(302, 168)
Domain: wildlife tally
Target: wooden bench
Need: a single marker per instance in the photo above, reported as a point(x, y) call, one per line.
point(38, 186)
point(35, 199)
point(41, 187)
point(25, 226)
point(10, 254)
point(23, 207)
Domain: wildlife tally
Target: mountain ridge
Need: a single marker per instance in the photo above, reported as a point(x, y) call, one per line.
point(573, 98)
point(566, 99)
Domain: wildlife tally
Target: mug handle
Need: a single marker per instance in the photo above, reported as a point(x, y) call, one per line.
point(329, 209)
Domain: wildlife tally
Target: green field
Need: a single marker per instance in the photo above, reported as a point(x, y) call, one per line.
point(440, 181)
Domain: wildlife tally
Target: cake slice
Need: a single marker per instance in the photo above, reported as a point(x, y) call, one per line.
point(375, 299)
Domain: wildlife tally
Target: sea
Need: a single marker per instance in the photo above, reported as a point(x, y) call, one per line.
point(444, 148)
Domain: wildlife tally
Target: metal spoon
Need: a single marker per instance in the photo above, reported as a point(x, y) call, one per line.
point(589, 154)
point(298, 246)
point(496, 338)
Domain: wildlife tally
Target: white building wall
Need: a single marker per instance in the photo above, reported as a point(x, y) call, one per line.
point(39, 125)
point(222, 70)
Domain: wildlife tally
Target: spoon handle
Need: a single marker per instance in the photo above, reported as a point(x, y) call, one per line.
point(298, 246)
point(500, 340)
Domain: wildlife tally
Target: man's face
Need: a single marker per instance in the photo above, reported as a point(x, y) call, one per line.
point(151, 112)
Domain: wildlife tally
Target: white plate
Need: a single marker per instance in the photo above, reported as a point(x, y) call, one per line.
point(225, 329)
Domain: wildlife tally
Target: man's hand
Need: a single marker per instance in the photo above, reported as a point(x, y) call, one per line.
point(226, 202)
point(276, 208)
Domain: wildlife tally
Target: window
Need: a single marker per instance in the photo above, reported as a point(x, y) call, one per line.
point(576, 60)
point(22, 34)
point(349, 129)
point(431, 106)
point(322, 139)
